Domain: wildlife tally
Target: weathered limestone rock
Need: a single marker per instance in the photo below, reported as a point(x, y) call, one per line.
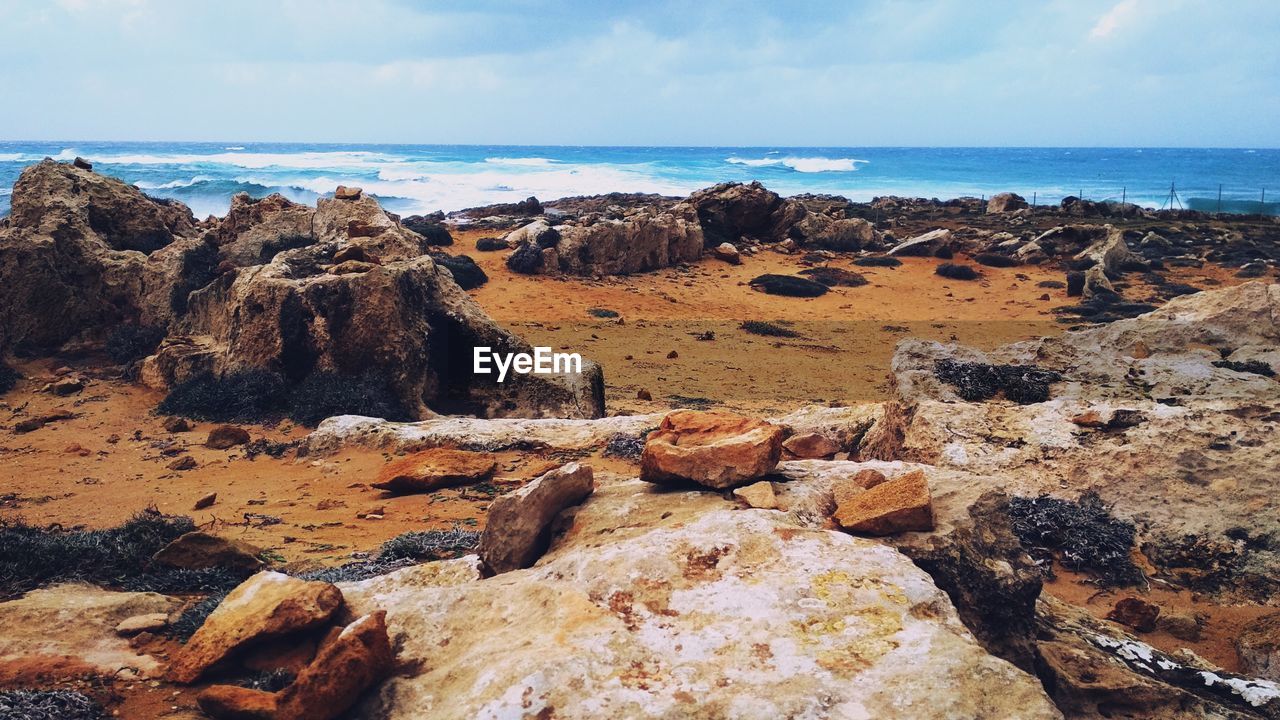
point(518, 527)
point(148, 622)
point(71, 628)
point(641, 242)
point(1006, 202)
point(349, 661)
point(232, 702)
point(715, 449)
point(758, 495)
point(1110, 252)
point(434, 469)
point(225, 437)
point(902, 504)
point(197, 550)
point(266, 605)
point(1136, 613)
point(926, 244)
point(728, 253)
point(811, 446)
point(662, 604)
point(255, 230)
point(82, 253)
point(1259, 647)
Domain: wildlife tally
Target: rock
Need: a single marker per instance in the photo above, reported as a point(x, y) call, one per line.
point(923, 245)
point(149, 622)
point(868, 478)
point(224, 437)
point(175, 424)
point(729, 212)
point(233, 702)
point(643, 394)
point(348, 662)
point(267, 605)
point(1185, 626)
point(347, 193)
point(464, 270)
point(647, 240)
point(1006, 202)
point(758, 495)
point(788, 285)
point(71, 629)
point(348, 267)
point(1259, 647)
point(66, 386)
point(728, 253)
point(518, 526)
point(255, 230)
point(811, 446)
point(433, 469)
point(715, 449)
point(353, 252)
point(1090, 419)
point(661, 604)
point(197, 550)
point(902, 504)
point(205, 501)
point(1096, 283)
point(404, 325)
point(186, 462)
point(434, 232)
point(1110, 252)
point(82, 163)
point(85, 253)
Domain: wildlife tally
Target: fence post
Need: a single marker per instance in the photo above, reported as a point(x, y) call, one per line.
point(1219, 198)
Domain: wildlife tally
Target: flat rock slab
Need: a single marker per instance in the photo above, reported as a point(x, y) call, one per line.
point(434, 469)
point(902, 504)
point(689, 608)
point(73, 626)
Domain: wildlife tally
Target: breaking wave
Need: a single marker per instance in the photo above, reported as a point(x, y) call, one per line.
point(803, 164)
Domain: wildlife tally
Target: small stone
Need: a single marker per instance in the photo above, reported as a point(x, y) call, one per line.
point(66, 386)
point(433, 469)
point(198, 550)
point(175, 424)
point(28, 425)
point(82, 163)
point(1136, 613)
point(758, 495)
point(811, 446)
point(1090, 419)
point(347, 193)
point(1183, 626)
point(643, 394)
point(719, 450)
point(186, 462)
point(902, 504)
point(673, 355)
point(232, 702)
point(206, 501)
point(226, 436)
point(728, 253)
point(142, 623)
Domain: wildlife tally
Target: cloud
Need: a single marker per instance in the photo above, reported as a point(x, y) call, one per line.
point(1122, 14)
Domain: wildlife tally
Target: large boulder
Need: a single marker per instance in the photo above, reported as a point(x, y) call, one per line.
point(1006, 202)
point(349, 660)
point(267, 605)
point(83, 253)
point(645, 240)
point(715, 449)
point(730, 212)
point(1110, 253)
point(404, 322)
point(659, 604)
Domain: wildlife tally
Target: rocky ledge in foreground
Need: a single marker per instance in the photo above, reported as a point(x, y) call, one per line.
point(338, 301)
point(654, 600)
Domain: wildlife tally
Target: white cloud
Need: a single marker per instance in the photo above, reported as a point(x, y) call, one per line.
point(1123, 13)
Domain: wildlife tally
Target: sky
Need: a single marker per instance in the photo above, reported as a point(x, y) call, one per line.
point(1202, 73)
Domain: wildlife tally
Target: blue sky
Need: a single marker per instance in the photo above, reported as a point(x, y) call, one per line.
point(933, 72)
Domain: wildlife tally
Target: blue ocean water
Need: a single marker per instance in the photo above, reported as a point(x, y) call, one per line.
point(425, 178)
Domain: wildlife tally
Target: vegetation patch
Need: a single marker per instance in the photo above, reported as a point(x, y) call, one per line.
point(956, 271)
point(8, 378)
point(603, 313)
point(877, 261)
point(117, 557)
point(768, 329)
point(129, 343)
point(788, 285)
point(259, 395)
point(429, 545)
point(48, 705)
point(1257, 367)
point(1083, 535)
point(976, 382)
point(625, 446)
point(996, 260)
point(833, 277)
point(465, 271)
point(490, 244)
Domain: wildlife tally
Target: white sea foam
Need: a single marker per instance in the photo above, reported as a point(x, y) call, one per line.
point(257, 161)
point(11, 157)
point(525, 161)
point(172, 184)
point(803, 164)
point(234, 147)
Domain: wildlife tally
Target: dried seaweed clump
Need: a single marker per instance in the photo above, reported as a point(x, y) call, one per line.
point(1083, 535)
point(48, 705)
point(976, 382)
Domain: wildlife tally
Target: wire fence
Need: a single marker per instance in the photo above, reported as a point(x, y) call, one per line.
point(1219, 199)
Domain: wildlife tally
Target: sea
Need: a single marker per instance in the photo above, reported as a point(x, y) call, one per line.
point(419, 179)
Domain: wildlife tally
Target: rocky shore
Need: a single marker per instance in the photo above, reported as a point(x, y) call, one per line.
point(253, 475)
